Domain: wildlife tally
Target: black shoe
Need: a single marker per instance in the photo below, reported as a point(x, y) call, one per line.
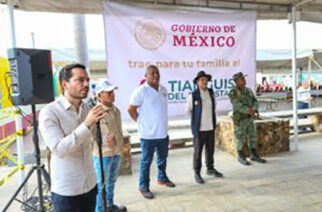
point(115, 208)
point(146, 193)
point(167, 183)
point(255, 157)
point(258, 159)
point(122, 208)
point(199, 179)
point(214, 172)
point(242, 159)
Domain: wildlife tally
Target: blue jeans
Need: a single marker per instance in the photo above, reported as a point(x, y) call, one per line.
point(80, 203)
point(148, 146)
point(111, 166)
point(302, 105)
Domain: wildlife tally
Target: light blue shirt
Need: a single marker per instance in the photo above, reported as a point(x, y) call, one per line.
point(153, 111)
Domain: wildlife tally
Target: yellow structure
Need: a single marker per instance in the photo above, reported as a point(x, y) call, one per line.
point(4, 80)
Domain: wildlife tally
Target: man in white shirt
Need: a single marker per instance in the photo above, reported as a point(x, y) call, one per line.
point(201, 106)
point(148, 106)
point(65, 126)
point(304, 95)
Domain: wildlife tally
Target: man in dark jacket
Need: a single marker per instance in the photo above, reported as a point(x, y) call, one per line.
point(201, 106)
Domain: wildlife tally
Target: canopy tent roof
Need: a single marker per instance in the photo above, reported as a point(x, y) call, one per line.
point(97, 58)
point(308, 10)
point(280, 61)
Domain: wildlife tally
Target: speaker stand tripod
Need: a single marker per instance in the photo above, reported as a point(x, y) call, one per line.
point(39, 167)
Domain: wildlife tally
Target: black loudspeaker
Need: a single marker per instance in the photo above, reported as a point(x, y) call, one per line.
point(31, 76)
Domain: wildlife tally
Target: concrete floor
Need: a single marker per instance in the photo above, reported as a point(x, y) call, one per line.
point(290, 181)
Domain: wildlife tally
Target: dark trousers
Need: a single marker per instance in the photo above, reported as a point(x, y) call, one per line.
point(205, 138)
point(80, 203)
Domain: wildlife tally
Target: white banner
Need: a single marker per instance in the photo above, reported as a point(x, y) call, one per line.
point(180, 43)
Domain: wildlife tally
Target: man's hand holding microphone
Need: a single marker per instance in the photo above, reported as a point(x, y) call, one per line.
point(94, 115)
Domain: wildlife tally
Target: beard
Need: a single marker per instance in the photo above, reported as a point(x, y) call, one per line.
point(79, 95)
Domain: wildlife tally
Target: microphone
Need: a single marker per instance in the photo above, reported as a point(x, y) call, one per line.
point(99, 143)
point(92, 102)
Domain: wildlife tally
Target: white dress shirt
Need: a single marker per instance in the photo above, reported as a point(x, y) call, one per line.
point(153, 111)
point(68, 138)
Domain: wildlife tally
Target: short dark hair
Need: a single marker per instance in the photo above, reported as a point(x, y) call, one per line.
point(66, 72)
point(151, 67)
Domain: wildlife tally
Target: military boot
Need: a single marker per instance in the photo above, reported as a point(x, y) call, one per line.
point(242, 159)
point(255, 157)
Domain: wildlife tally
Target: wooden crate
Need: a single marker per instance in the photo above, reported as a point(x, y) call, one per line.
point(317, 122)
point(126, 158)
point(273, 135)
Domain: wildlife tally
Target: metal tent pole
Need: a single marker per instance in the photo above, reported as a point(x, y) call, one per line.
point(295, 120)
point(18, 117)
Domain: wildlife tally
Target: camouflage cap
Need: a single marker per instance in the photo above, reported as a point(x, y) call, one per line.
point(238, 75)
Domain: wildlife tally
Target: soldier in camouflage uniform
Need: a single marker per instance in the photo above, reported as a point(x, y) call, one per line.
point(245, 108)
